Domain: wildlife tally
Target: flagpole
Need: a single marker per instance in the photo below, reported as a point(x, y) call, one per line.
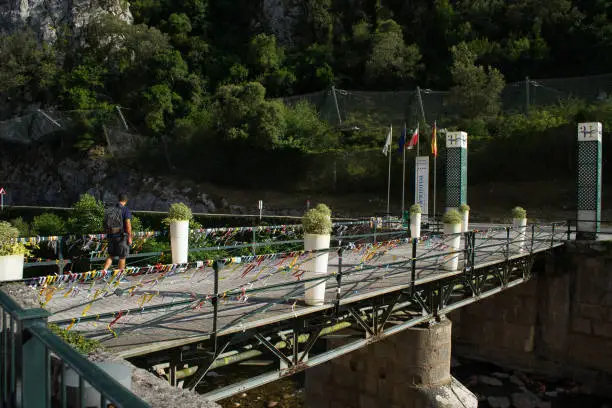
point(403, 178)
point(435, 173)
point(435, 180)
point(389, 176)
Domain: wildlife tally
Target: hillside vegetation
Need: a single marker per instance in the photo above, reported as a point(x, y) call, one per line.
point(199, 81)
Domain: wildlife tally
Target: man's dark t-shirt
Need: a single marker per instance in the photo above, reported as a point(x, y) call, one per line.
point(117, 243)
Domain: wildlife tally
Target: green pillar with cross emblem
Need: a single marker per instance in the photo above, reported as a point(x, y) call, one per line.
point(456, 169)
point(589, 179)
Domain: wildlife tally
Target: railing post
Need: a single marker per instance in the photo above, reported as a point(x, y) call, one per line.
point(552, 236)
point(473, 250)
point(508, 243)
point(467, 252)
point(374, 232)
point(60, 255)
point(339, 282)
point(33, 358)
point(254, 242)
point(532, 238)
point(413, 269)
point(215, 304)
point(569, 229)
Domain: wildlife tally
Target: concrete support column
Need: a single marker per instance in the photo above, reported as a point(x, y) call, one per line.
point(456, 169)
point(589, 179)
point(408, 370)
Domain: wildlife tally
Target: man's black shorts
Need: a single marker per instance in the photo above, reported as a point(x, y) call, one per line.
point(118, 247)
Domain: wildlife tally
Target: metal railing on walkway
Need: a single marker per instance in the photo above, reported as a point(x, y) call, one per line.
point(37, 367)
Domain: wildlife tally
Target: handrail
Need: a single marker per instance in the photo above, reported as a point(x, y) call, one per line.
point(27, 378)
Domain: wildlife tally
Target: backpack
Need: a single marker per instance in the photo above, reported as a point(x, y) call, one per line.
point(113, 220)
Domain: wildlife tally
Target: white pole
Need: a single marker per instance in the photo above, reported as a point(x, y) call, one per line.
point(389, 183)
point(403, 178)
point(435, 180)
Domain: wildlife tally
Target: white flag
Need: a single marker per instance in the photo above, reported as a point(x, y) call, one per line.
point(388, 142)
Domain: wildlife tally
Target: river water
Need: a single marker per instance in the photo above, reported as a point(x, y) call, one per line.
point(492, 385)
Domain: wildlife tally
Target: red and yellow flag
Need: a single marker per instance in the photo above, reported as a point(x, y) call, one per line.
point(434, 141)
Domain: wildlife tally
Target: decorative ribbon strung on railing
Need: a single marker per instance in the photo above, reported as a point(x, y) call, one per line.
point(257, 270)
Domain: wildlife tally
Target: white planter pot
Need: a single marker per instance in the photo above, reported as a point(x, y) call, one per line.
point(451, 261)
point(415, 225)
point(11, 267)
point(120, 372)
point(179, 241)
point(520, 228)
point(315, 268)
point(465, 221)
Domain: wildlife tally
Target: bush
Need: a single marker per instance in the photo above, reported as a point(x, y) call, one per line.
point(464, 208)
point(317, 220)
point(22, 226)
point(48, 224)
point(7, 234)
point(136, 224)
point(415, 209)
point(452, 217)
point(178, 212)
point(81, 344)
point(519, 212)
point(87, 216)
point(322, 208)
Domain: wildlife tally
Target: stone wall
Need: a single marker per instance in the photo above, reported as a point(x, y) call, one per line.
point(408, 370)
point(559, 323)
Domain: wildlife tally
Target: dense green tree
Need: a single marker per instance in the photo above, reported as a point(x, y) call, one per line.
point(391, 61)
point(28, 71)
point(477, 89)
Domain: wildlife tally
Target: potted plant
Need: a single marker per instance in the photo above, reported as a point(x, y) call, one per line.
point(464, 209)
point(415, 221)
point(178, 219)
point(11, 253)
point(519, 224)
point(317, 235)
point(452, 229)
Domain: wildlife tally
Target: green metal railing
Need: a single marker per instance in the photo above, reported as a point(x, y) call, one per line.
point(35, 362)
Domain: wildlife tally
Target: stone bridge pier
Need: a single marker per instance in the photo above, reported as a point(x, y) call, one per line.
point(408, 370)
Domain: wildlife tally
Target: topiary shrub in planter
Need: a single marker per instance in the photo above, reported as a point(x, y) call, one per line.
point(178, 219)
point(464, 209)
point(452, 229)
point(519, 225)
point(415, 221)
point(317, 235)
point(11, 253)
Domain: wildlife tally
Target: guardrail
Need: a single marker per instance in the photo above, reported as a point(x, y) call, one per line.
point(280, 237)
point(35, 365)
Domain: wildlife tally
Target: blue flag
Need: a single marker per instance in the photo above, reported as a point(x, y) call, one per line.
point(402, 140)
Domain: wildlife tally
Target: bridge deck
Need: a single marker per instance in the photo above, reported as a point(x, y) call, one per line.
point(169, 309)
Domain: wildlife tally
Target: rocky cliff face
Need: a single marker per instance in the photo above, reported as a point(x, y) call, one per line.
point(281, 17)
point(45, 17)
point(42, 176)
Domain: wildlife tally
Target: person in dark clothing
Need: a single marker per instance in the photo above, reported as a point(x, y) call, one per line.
point(119, 242)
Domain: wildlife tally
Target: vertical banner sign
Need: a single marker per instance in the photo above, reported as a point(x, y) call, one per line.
point(456, 169)
point(421, 186)
point(260, 206)
point(589, 179)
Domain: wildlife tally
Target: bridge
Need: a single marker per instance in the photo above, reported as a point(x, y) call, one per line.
point(184, 320)
point(208, 314)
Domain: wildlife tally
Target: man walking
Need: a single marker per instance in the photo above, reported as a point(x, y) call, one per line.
point(118, 226)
